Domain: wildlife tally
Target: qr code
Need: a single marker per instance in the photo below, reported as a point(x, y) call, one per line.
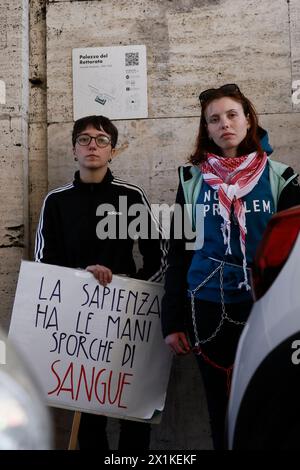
point(131, 58)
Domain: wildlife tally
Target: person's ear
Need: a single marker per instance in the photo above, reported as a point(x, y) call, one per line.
point(248, 122)
point(75, 156)
point(112, 155)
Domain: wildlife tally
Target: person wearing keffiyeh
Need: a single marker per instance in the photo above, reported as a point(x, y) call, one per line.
point(207, 291)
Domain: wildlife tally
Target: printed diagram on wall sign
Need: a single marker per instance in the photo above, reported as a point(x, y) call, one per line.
point(111, 81)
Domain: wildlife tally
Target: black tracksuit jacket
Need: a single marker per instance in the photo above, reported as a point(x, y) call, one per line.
point(66, 234)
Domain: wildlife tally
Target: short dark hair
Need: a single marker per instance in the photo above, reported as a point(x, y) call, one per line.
point(250, 143)
point(100, 123)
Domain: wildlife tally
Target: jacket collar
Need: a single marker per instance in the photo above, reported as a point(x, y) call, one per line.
point(92, 186)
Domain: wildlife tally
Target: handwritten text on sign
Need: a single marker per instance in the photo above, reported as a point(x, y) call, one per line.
point(94, 348)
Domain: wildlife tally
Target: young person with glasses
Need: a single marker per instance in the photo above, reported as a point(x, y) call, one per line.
point(236, 188)
point(67, 236)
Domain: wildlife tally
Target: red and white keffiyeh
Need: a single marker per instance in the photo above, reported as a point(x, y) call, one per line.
point(233, 178)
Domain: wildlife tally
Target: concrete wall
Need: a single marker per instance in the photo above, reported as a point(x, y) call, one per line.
point(37, 132)
point(191, 45)
point(14, 104)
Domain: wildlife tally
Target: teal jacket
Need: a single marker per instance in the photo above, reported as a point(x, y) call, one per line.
point(286, 193)
point(192, 186)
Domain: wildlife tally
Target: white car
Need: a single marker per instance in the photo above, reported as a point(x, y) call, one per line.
point(264, 404)
point(25, 422)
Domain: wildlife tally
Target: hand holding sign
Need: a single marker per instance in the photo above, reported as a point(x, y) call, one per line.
point(101, 273)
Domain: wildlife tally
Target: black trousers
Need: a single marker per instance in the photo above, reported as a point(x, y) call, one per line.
point(92, 434)
point(217, 357)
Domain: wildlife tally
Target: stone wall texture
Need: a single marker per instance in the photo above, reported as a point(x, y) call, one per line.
point(14, 107)
point(191, 45)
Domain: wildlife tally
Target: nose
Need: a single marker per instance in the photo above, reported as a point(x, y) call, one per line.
point(92, 142)
point(224, 122)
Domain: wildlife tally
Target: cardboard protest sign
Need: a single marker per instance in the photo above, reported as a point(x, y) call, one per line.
point(95, 349)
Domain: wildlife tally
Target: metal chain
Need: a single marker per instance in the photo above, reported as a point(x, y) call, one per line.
point(224, 315)
point(223, 302)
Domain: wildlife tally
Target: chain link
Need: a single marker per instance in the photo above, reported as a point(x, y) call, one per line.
point(224, 315)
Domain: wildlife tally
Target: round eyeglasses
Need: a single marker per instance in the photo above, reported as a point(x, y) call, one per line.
point(85, 139)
